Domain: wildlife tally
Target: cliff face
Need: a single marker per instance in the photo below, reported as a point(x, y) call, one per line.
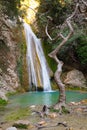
point(11, 58)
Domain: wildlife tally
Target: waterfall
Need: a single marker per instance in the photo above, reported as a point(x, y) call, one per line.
point(37, 66)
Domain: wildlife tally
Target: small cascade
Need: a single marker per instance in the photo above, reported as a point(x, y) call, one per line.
point(37, 66)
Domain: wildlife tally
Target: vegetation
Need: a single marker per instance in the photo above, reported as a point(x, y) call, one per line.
point(18, 114)
point(58, 12)
point(9, 7)
point(3, 103)
point(20, 126)
point(81, 49)
point(21, 62)
point(64, 110)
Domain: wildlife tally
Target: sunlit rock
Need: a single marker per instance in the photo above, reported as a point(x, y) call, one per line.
point(75, 78)
point(52, 115)
point(84, 101)
point(42, 123)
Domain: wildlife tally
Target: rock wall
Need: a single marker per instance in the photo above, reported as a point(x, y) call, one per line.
point(11, 45)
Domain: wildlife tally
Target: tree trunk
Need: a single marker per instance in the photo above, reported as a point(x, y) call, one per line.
point(62, 96)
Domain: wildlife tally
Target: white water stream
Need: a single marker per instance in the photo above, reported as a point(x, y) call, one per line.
point(37, 66)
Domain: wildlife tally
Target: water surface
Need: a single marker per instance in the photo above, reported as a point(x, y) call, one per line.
point(41, 98)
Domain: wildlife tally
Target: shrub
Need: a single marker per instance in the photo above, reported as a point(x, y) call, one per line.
point(81, 49)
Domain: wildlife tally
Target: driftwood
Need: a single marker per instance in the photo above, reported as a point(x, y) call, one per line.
point(43, 112)
point(56, 125)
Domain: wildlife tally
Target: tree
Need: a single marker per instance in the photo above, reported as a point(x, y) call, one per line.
point(50, 20)
point(54, 54)
point(9, 7)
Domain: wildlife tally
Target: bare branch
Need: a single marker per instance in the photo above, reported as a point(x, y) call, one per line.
point(85, 3)
point(48, 33)
point(62, 36)
point(54, 52)
point(77, 5)
point(52, 39)
point(68, 22)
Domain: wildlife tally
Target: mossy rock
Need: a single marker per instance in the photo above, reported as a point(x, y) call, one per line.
point(39, 89)
point(3, 102)
point(22, 124)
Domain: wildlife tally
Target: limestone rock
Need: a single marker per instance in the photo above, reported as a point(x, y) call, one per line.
point(41, 123)
point(9, 79)
point(22, 124)
point(11, 128)
point(3, 96)
point(75, 78)
point(52, 115)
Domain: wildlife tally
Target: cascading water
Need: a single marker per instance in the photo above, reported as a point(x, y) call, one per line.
point(37, 66)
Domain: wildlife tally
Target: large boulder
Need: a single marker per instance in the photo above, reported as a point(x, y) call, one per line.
point(75, 78)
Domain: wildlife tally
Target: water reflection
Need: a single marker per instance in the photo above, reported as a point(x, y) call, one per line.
point(44, 98)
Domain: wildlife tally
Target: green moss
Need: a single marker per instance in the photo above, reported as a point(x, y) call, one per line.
point(47, 49)
point(10, 7)
point(19, 68)
point(21, 61)
point(75, 88)
point(11, 93)
point(64, 110)
point(22, 65)
point(53, 84)
point(3, 102)
point(18, 114)
point(54, 110)
point(22, 49)
point(20, 126)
